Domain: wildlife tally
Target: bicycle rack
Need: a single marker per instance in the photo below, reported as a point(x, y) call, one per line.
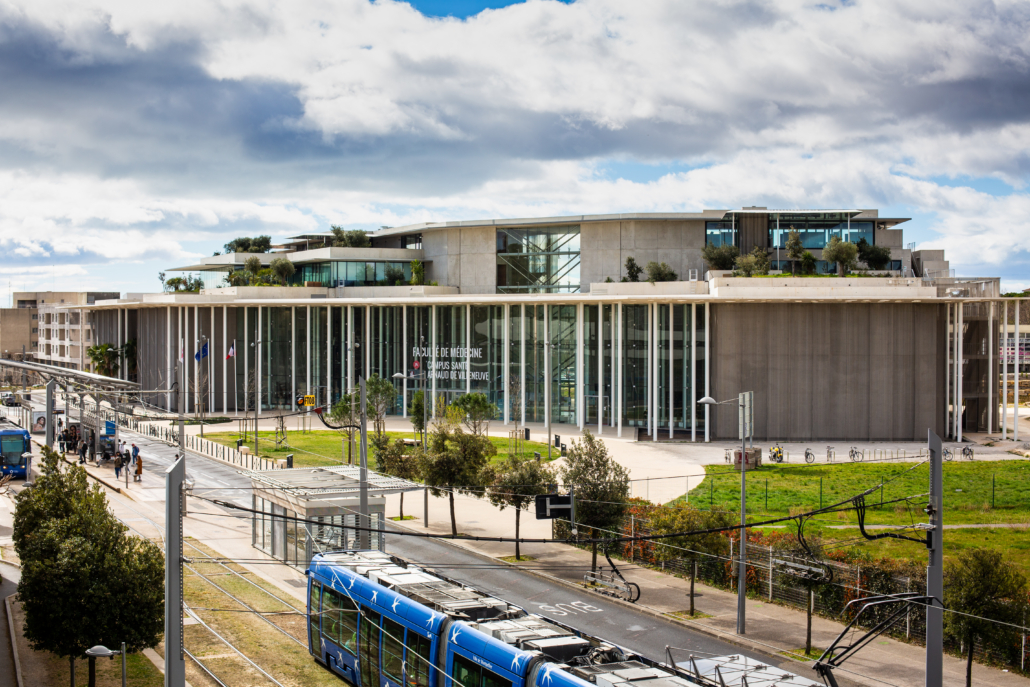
point(831, 455)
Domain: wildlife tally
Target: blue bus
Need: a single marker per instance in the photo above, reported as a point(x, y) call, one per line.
point(376, 620)
point(14, 444)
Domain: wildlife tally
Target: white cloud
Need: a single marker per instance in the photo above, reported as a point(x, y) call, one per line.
point(168, 125)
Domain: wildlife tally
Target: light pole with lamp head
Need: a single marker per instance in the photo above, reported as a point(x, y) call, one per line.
point(100, 651)
point(742, 402)
point(422, 376)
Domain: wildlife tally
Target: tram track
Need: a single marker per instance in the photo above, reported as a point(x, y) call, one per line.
point(244, 661)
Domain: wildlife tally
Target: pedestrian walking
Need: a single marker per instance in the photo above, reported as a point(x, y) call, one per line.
point(82, 452)
point(118, 466)
point(139, 469)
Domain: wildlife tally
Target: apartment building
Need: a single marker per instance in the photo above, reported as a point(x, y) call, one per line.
point(59, 333)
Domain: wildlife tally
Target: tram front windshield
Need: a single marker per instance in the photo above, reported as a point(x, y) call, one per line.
point(12, 447)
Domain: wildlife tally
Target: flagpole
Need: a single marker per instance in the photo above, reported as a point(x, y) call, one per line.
point(235, 385)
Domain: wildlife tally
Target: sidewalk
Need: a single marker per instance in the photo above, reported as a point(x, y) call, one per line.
point(770, 628)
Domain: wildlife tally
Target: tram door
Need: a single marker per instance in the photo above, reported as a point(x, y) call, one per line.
point(369, 653)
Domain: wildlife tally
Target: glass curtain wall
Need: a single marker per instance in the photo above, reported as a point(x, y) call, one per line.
point(592, 347)
point(533, 328)
point(319, 326)
point(563, 363)
point(386, 356)
point(514, 371)
point(451, 363)
point(538, 260)
point(816, 229)
point(608, 363)
point(300, 323)
point(418, 344)
point(487, 353)
point(635, 356)
point(358, 343)
point(277, 359)
point(338, 356)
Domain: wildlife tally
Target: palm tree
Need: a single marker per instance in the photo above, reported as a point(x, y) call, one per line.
point(104, 358)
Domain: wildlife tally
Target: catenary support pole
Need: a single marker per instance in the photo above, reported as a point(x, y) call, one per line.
point(1005, 372)
point(175, 663)
point(363, 536)
point(992, 379)
point(1017, 306)
point(693, 371)
point(50, 386)
point(708, 355)
point(935, 568)
point(742, 568)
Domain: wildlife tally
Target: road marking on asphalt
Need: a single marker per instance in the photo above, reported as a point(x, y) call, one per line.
point(571, 608)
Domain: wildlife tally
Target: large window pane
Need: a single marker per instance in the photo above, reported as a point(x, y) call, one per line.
point(393, 649)
point(538, 260)
point(465, 672)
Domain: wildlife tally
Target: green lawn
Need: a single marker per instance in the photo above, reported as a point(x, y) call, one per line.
point(978, 492)
point(969, 488)
point(324, 447)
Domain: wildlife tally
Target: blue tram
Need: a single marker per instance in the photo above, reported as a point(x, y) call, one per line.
point(378, 621)
point(14, 445)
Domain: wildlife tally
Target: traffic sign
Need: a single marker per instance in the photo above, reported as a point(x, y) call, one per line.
point(553, 506)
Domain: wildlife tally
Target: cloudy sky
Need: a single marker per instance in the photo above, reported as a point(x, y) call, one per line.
point(135, 136)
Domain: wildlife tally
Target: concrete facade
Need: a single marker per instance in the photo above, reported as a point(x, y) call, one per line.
point(835, 371)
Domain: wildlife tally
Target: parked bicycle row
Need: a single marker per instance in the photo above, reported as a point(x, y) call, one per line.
point(778, 454)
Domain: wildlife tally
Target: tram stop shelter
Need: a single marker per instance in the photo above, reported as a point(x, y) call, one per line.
point(285, 499)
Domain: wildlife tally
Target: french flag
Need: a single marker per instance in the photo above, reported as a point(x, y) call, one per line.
point(232, 351)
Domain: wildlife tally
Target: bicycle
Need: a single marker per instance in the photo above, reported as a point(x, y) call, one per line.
point(967, 452)
point(809, 455)
point(947, 454)
point(854, 454)
point(776, 454)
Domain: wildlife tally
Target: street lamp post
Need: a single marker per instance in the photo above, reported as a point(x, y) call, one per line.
point(742, 565)
point(100, 651)
point(421, 377)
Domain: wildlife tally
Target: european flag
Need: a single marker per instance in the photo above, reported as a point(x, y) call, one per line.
point(202, 353)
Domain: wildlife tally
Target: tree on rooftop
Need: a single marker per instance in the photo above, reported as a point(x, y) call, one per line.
point(418, 273)
point(659, 271)
point(246, 244)
point(844, 253)
point(633, 270)
point(283, 269)
point(353, 238)
point(808, 263)
point(875, 257)
point(795, 249)
point(104, 358)
point(253, 267)
point(720, 257)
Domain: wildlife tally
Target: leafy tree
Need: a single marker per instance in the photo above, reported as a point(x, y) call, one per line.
point(394, 275)
point(633, 270)
point(844, 253)
point(601, 484)
point(253, 267)
point(795, 249)
point(346, 411)
point(808, 263)
point(380, 395)
point(237, 278)
point(720, 257)
point(660, 271)
point(755, 262)
point(516, 483)
point(283, 269)
point(161, 278)
point(985, 587)
point(417, 411)
point(392, 459)
point(104, 358)
point(246, 244)
point(265, 276)
point(690, 546)
point(354, 238)
point(876, 257)
point(477, 411)
point(454, 462)
point(418, 273)
point(84, 581)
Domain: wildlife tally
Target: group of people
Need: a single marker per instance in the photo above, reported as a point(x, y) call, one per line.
point(125, 458)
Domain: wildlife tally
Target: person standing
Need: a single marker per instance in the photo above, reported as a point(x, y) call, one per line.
point(82, 451)
point(118, 466)
point(134, 455)
point(139, 469)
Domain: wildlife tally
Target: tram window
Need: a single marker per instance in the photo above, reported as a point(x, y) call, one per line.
point(491, 679)
point(12, 447)
point(393, 649)
point(331, 615)
point(465, 672)
point(418, 663)
point(348, 624)
point(314, 609)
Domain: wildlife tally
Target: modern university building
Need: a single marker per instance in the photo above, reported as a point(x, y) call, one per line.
point(519, 307)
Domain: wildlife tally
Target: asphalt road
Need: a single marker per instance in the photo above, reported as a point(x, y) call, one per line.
point(587, 612)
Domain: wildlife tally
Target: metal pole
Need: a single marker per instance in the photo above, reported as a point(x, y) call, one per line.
point(935, 568)
point(363, 538)
point(181, 402)
point(742, 571)
point(123, 665)
point(50, 386)
point(175, 664)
